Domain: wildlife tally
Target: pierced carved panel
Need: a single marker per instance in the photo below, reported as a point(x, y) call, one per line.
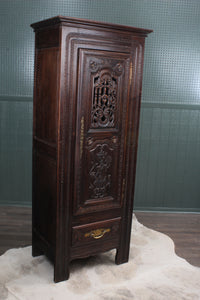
point(105, 92)
point(104, 101)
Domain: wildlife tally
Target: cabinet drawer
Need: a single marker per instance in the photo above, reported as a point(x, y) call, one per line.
point(93, 232)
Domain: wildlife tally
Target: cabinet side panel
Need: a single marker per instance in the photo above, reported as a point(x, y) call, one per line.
point(45, 195)
point(46, 98)
point(46, 94)
point(131, 149)
point(47, 38)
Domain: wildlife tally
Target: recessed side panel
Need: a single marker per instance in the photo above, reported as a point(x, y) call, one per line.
point(100, 129)
point(46, 94)
point(44, 198)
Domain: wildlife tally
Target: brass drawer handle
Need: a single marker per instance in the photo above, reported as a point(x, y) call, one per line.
point(98, 233)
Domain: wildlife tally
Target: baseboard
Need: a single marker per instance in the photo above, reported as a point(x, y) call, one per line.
point(17, 204)
point(167, 209)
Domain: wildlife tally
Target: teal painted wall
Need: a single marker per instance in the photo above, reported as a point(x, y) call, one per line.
point(168, 165)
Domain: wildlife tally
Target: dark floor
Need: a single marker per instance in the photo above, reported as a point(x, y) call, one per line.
point(183, 228)
point(15, 227)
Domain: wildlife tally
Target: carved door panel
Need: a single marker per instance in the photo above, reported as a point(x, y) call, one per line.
point(102, 92)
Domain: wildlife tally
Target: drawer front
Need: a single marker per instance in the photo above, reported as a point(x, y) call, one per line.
point(96, 232)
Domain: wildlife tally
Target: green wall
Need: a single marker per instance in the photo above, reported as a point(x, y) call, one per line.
point(168, 165)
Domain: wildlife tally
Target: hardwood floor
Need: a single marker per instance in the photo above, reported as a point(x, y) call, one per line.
point(183, 228)
point(15, 227)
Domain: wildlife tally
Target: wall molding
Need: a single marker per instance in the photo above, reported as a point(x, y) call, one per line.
point(144, 104)
point(7, 98)
point(168, 105)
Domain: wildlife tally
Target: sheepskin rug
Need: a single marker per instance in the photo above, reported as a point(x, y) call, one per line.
point(154, 272)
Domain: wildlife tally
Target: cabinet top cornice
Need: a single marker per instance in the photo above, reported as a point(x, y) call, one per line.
point(91, 23)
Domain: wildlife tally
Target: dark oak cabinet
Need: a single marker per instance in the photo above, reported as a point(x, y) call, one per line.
point(87, 91)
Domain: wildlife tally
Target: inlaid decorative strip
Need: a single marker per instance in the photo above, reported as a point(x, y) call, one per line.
point(82, 136)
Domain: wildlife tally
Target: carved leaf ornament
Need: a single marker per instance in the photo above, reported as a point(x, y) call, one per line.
point(100, 179)
point(104, 101)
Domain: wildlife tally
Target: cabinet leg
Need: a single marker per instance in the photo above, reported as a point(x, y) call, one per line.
point(36, 251)
point(61, 272)
point(121, 257)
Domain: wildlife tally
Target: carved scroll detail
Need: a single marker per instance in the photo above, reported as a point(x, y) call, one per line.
point(105, 88)
point(104, 101)
point(100, 178)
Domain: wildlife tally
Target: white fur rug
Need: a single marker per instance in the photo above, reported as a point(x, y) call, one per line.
point(154, 272)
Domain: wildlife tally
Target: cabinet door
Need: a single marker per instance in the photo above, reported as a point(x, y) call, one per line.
point(102, 97)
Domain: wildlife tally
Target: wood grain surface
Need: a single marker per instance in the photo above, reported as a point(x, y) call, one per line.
point(183, 228)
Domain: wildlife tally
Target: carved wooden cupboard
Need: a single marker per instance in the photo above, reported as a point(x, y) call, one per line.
point(87, 90)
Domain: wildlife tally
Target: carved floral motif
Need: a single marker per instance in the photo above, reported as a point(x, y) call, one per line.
point(104, 101)
point(100, 179)
point(105, 87)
